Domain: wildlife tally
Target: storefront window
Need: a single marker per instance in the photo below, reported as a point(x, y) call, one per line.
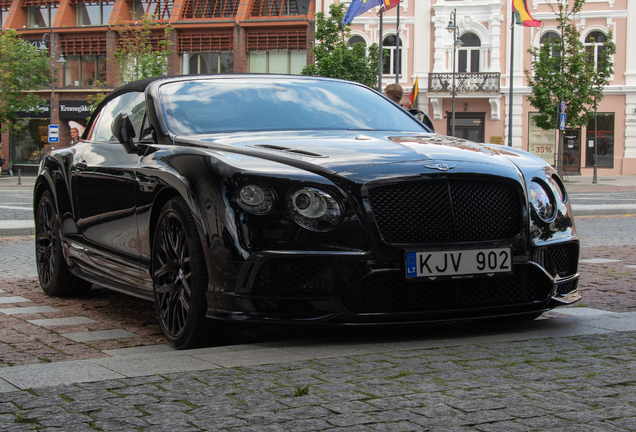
point(84, 70)
point(604, 141)
point(208, 63)
point(542, 142)
point(30, 143)
point(278, 62)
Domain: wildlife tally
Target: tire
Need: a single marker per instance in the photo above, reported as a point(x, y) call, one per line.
point(53, 273)
point(179, 277)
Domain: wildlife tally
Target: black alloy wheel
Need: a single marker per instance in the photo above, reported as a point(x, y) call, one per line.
point(53, 273)
point(180, 277)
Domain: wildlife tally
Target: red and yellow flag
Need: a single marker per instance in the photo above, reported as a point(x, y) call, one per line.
point(389, 4)
point(523, 17)
point(414, 94)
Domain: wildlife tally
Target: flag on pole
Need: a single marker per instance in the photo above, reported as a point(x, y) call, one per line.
point(414, 94)
point(523, 17)
point(389, 4)
point(358, 7)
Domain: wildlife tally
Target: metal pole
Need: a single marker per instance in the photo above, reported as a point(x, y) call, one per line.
point(52, 107)
point(380, 53)
point(454, 56)
point(595, 178)
point(512, 57)
point(397, 46)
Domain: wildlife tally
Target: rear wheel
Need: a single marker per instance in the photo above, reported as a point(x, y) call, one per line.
point(55, 278)
point(180, 278)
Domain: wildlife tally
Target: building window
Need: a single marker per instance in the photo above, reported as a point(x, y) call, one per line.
point(208, 63)
point(392, 63)
point(356, 39)
point(41, 16)
point(552, 38)
point(468, 54)
point(209, 9)
point(263, 8)
point(94, 13)
point(4, 11)
point(30, 142)
point(594, 46)
point(278, 62)
point(604, 141)
point(158, 9)
point(83, 71)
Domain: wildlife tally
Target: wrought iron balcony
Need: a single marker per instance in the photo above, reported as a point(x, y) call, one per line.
point(472, 82)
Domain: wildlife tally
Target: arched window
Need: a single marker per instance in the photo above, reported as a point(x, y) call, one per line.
point(356, 39)
point(552, 37)
point(392, 63)
point(468, 54)
point(594, 45)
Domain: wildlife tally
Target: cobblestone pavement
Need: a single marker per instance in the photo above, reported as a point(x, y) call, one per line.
point(576, 383)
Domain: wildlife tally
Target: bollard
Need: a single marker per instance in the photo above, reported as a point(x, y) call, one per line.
point(19, 177)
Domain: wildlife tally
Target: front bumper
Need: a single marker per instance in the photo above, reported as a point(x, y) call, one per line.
point(353, 288)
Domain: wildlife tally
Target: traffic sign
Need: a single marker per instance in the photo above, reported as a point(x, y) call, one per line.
point(562, 106)
point(54, 133)
point(562, 122)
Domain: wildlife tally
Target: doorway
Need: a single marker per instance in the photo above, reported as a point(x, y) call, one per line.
point(572, 151)
point(469, 126)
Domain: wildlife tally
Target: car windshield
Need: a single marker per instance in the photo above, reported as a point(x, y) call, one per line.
point(253, 104)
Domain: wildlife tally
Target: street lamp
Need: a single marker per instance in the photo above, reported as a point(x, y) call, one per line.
point(457, 42)
point(54, 51)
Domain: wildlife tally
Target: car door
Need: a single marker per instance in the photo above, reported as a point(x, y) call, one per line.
point(105, 196)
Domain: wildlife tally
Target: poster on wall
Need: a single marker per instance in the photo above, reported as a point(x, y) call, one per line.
point(542, 142)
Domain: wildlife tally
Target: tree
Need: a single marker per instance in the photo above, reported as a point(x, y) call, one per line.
point(135, 55)
point(22, 68)
point(333, 56)
point(565, 69)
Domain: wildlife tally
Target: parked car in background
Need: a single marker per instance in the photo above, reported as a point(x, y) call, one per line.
point(286, 199)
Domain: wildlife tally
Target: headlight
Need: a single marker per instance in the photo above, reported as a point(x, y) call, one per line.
point(256, 198)
point(542, 200)
point(558, 187)
point(314, 209)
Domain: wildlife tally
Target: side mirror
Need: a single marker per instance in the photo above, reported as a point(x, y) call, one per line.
point(123, 129)
point(423, 118)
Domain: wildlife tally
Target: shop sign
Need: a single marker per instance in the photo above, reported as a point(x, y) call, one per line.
point(74, 109)
point(542, 142)
point(43, 114)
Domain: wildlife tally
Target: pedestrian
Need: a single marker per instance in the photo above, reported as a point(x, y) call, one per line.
point(395, 93)
point(75, 136)
point(1, 163)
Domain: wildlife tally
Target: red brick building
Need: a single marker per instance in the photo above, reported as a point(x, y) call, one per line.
point(210, 36)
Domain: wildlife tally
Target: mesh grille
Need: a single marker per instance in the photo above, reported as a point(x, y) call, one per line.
point(288, 274)
point(565, 258)
point(453, 211)
point(388, 292)
point(567, 287)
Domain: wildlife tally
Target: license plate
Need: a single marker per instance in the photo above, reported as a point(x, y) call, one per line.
point(459, 263)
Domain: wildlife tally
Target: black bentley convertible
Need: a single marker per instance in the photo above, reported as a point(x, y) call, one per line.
point(287, 199)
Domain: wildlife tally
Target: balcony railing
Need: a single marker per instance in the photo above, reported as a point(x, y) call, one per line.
point(473, 82)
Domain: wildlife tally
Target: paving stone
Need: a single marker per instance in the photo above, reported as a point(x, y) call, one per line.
point(61, 321)
point(99, 335)
point(13, 299)
point(28, 310)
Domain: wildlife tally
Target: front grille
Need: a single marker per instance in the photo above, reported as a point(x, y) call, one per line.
point(565, 258)
point(388, 292)
point(446, 211)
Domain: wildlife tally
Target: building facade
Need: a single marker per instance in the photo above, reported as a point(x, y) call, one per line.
point(482, 65)
point(276, 36)
point(210, 36)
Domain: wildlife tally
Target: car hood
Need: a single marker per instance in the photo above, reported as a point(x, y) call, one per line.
point(349, 152)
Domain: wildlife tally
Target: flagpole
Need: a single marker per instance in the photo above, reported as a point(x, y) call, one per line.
point(380, 52)
point(397, 46)
point(512, 57)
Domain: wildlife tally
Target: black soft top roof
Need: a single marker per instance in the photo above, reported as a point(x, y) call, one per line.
point(135, 86)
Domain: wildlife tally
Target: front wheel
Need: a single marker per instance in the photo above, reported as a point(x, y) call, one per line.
point(180, 278)
point(55, 278)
